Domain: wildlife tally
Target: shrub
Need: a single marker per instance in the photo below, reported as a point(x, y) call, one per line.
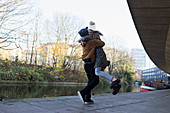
point(3, 75)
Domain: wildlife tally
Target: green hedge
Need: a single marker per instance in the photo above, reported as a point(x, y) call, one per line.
point(10, 71)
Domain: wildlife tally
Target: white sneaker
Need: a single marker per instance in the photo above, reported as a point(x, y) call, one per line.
point(80, 96)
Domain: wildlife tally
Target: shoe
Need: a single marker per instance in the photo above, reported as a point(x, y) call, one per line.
point(81, 97)
point(116, 89)
point(114, 83)
point(89, 101)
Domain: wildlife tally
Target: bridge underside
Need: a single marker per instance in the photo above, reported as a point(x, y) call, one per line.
point(152, 21)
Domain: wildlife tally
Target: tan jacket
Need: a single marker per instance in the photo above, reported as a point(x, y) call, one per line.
point(89, 49)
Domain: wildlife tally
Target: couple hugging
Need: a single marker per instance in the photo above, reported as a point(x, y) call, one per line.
point(95, 62)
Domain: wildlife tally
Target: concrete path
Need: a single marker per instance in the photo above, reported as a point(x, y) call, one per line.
point(140, 102)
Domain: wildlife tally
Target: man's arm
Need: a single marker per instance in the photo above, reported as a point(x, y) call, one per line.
point(95, 43)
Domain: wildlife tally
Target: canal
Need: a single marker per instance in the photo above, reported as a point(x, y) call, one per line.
point(21, 91)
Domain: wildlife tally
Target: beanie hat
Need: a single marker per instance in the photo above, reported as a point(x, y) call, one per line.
point(92, 26)
point(83, 32)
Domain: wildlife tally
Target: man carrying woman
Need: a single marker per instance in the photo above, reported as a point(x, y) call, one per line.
point(95, 62)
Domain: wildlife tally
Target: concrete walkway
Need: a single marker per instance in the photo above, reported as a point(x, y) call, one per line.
point(140, 102)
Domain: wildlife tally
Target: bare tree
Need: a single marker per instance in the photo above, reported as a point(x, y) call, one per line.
point(121, 64)
point(34, 39)
point(12, 18)
point(64, 29)
point(113, 50)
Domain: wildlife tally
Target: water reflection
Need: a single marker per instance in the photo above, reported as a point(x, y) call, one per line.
point(38, 91)
point(106, 89)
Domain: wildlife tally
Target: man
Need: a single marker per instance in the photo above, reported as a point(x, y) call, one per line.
point(89, 61)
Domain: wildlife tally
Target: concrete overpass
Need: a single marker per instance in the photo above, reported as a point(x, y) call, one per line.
point(152, 21)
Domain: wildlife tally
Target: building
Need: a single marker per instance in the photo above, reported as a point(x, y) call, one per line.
point(154, 74)
point(139, 57)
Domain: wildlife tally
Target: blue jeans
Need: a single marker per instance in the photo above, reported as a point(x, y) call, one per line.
point(103, 74)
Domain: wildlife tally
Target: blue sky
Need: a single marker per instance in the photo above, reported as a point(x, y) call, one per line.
point(112, 17)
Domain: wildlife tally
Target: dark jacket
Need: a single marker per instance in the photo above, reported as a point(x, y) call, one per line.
point(101, 60)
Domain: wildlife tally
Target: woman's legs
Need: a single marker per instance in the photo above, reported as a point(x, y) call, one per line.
point(114, 82)
point(103, 74)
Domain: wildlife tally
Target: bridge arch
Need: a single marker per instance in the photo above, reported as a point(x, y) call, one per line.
point(152, 21)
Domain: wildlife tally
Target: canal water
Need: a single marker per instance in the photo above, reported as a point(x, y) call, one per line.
point(14, 91)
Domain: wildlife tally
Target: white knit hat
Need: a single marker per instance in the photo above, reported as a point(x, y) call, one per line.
point(92, 26)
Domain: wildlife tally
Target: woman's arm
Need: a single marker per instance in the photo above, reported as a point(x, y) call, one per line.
point(90, 37)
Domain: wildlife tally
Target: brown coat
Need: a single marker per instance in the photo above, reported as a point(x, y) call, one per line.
point(89, 49)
